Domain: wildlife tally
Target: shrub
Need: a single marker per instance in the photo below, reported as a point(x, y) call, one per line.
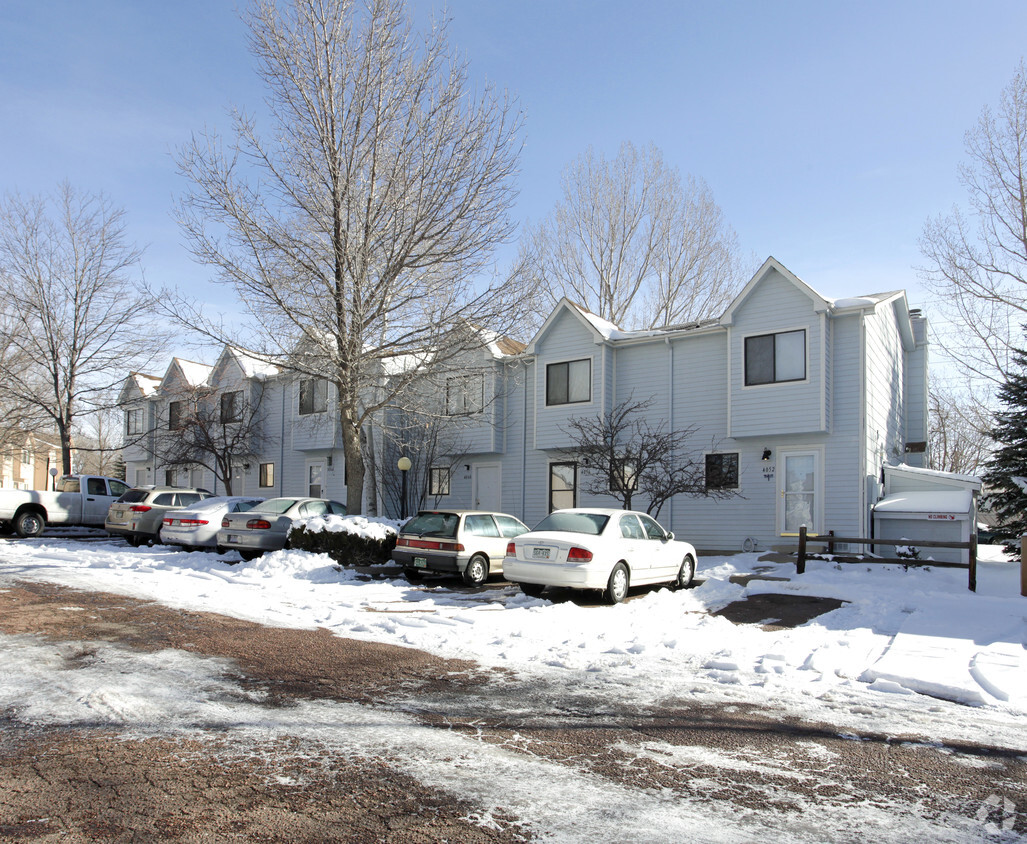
point(349, 540)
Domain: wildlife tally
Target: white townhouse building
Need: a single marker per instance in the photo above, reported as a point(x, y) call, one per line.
point(798, 404)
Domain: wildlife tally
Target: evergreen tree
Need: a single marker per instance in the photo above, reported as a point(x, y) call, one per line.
point(1009, 460)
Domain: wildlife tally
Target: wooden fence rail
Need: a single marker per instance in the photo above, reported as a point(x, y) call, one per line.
point(830, 539)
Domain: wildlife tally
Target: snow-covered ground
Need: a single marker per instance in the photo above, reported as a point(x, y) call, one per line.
point(911, 653)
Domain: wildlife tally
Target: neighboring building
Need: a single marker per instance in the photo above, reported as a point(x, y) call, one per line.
point(26, 460)
point(799, 403)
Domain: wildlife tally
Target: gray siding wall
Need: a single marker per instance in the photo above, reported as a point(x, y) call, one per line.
point(777, 306)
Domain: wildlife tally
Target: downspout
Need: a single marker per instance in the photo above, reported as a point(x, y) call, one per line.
point(281, 444)
point(863, 503)
point(524, 446)
point(670, 415)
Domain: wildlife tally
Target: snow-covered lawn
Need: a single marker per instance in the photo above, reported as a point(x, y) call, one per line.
point(902, 641)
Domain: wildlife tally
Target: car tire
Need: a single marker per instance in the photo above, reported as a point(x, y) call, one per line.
point(477, 570)
point(250, 555)
point(413, 575)
point(29, 524)
point(685, 573)
point(532, 590)
point(617, 585)
point(220, 550)
point(134, 541)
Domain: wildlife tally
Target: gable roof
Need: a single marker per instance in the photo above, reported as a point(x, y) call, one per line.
point(820, 304)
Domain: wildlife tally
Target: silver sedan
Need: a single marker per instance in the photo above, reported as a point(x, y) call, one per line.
point(266, 526)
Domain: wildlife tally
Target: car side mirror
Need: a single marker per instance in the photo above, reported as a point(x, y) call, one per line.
point(670, 536)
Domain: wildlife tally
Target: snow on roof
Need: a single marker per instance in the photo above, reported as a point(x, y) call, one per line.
point(146, 384)
point(607, 329)
point(195, 373)
point(956, 501)
point(935, 473)
point(252, 367)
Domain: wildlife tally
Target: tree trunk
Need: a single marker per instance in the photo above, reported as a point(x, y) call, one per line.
point(354, 461)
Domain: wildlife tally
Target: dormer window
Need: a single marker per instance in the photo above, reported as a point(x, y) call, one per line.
point(569, 382)
point(775, 358)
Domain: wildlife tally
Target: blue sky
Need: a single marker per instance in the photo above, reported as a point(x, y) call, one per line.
point(828, 132)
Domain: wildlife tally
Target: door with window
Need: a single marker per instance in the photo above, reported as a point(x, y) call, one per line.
point(799, 489)
point(316, 478)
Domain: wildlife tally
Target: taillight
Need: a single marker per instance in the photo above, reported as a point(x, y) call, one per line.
point(140, 508)
point(258, 524)
point(579, 555)
point(194, 522)
point(224, 522)
point(169, 521)
point(511, 551)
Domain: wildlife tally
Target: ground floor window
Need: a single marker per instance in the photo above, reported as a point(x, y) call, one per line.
point(438, 480)
point(563, 485)
point(267, 475)
point(722, 471)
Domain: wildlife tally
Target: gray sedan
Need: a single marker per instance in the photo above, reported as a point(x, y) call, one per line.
point(266, 526)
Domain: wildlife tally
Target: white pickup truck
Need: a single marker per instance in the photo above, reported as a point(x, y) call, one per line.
point(78, 500)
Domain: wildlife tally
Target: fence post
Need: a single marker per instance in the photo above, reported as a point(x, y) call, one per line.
point(1023, 567)
point(973, 561)
point(800, 561)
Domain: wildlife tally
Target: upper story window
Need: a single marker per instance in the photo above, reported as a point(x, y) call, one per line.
point(569, 382)
point(231, 406)
point(773, 358)
point(465, 394)
point(722, 471)
point(313, 396)
point(134, 421)
point(176, 415)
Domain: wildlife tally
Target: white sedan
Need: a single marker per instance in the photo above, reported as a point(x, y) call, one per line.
point(197, 525)
point(593, 548)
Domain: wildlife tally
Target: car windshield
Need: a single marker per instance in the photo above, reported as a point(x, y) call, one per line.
point(590, 523)
point(275, 505)
point(433, 524)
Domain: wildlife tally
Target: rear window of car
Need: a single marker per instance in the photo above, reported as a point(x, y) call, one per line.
point(133, 496)
point(275, 505)
point(187, 498)
point(433, 524)
point(590, 523)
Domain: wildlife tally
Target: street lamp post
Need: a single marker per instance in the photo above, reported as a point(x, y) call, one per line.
point(404, 466)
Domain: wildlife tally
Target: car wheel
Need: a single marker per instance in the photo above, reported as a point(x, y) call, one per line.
point(220, 550)
point(532, 590)
point(29, 524)
point(250, 555)
point(685, 573)
point(134, 541)
point(477, 570)
point(413, 575)
point(617, 585)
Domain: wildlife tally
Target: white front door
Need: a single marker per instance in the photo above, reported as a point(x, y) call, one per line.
point(799, 488)
point(486, 489)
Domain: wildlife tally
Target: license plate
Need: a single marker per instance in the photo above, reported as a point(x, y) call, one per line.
point(421, 562)
point(540, 553)
point(233, 538)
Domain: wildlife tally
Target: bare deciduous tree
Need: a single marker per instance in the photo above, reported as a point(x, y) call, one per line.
point(213, 429)
point(77, 320)
point(634, 244)
point(359, 231)
point(960, 432)
point(622, 453)
point(977, 261)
